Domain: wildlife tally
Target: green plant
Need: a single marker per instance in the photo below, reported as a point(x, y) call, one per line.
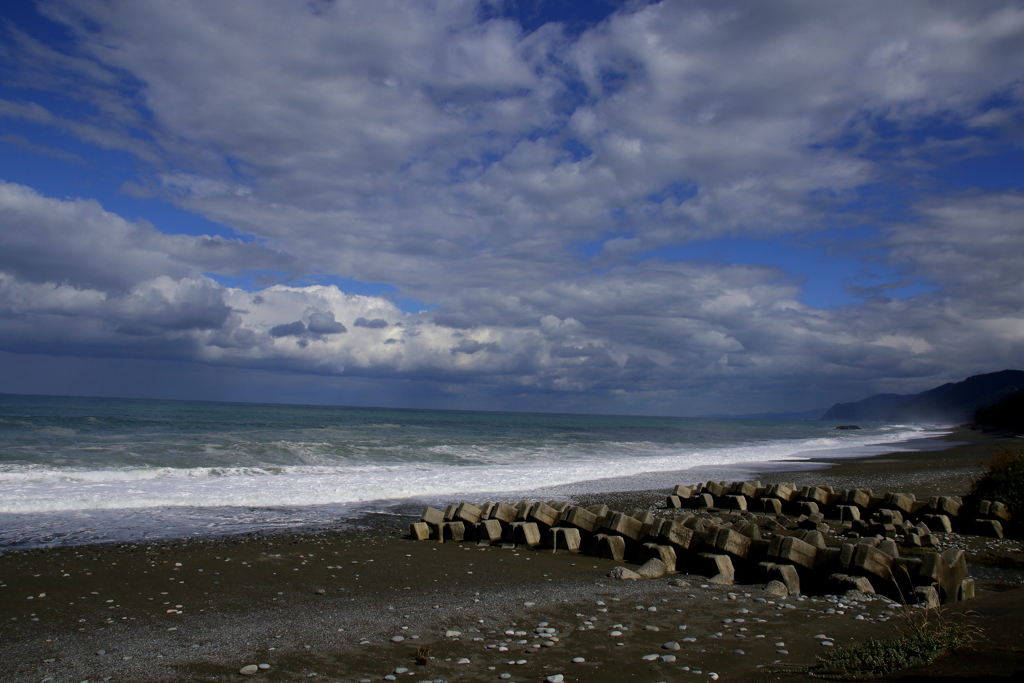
point(925, 636)
point(1004, 481)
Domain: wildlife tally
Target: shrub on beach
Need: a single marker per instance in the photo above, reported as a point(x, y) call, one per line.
point(1007, 414)
point(1004, 481)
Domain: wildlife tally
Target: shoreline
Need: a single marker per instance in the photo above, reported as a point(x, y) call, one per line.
point(199, 609)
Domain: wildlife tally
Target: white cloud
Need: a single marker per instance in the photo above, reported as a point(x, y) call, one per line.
point(465, 162)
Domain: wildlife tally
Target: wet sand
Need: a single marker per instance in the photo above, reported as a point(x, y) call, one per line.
point(199, 610)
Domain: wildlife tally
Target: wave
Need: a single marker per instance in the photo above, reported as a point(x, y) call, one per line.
point(468, 470)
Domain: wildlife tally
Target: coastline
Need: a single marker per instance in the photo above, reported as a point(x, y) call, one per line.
point(254, 598)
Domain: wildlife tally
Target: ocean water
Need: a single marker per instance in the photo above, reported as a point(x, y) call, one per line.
point(79, 470)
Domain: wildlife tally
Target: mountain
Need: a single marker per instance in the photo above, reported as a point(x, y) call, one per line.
point(815, 414)
point(871, 409)
point(1007, 414)
point(955, 402)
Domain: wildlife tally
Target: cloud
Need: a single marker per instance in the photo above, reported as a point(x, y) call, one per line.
point(375, 324)
point(529, 188)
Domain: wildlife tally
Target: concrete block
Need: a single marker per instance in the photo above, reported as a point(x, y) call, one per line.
point(904, 502)
point(945, 505)
point(788, 575)
point(848, 513)
point(543, 514)
point(485, 510)
point(750, 529)
point(846, 553)
point(453, 531)
point(419, 531)
point(815, 538)
point(938, 523)
point(665, 553)
point(703, 500)
point(599, 510)
point(583, 520)
point(674, 503)
point(845, 582)
point(746, 488)
point(827, 558)
point(682, 491)
point(859, 497)
point(783, 492)
point(719, 568)
point(470, 514)
point(797, 552)
point(504, 512)
point(432, 516)
point(449, 513)
point(983, 507)
point(733, 543)
point(489, 530)
point(715, 489)
point(888, 546)
point(563, 538)
point(611, 547)
point(523, 509)
point(771, 506)
point(625, 525)
point(967, 589)
point(735, 502)
point(807, 507)
point(999, 510)
point(680, 536)
point(526, 533)
point(988, 527)
point(927, 597)
point(815, 494)
point(870, 560)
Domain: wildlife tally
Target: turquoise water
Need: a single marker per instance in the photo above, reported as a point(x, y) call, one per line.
point(75, 469)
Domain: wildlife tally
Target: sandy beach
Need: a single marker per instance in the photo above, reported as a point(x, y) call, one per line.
point(362, 604)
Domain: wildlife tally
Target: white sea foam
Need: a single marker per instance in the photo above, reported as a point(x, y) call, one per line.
point(469, 470)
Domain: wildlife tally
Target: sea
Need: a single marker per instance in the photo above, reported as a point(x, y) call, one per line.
point(93, 470)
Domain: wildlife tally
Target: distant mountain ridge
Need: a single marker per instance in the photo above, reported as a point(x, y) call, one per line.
point(955, 402)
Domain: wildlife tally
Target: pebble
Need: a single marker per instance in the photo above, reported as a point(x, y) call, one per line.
point(397, 639)
point(651, 628)
point(780, 644)
point(671, 645)
point(827, 643)
point(264, 666)
point(556, 678)
point(400, 670)
point(782, 652)
point(464, 660)
point(615, 634)
point(650, 658)
point(713, 676)
point(391, 677)
point(578, 660)
point(101, 652)
point(452, 634)
point(248, 669)
point(505, 676)
point(738, 652)
point(668, 659)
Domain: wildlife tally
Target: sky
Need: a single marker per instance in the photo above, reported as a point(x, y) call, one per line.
point(672, 208)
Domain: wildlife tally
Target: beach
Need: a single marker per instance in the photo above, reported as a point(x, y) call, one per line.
point(360, 603)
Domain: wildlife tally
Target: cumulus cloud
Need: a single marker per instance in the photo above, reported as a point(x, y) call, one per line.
point(522, 184)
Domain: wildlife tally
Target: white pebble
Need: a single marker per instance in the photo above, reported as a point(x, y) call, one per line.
point(397, 639)
point(578, 660)
point(464, 660)
point(649, 658)
point(248, 670)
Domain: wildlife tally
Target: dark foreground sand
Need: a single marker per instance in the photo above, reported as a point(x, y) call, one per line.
point(200, 610)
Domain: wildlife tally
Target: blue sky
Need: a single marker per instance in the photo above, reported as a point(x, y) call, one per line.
point(673, 208)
